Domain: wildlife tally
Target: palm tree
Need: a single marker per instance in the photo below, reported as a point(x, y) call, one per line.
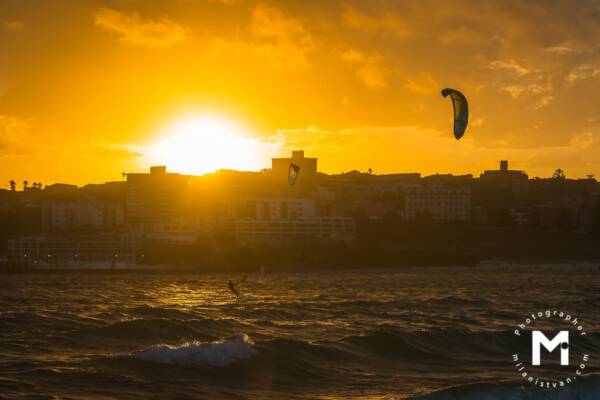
point(13, 185)
point(25, 184)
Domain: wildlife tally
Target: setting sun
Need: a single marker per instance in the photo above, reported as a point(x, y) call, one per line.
point(205, 143)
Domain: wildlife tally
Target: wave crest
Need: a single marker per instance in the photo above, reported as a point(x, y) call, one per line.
point(197, 354)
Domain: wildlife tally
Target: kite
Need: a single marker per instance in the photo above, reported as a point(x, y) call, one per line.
point(461, 111)
point(293, 173)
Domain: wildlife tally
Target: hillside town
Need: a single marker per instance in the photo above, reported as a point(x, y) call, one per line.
point(162, 217)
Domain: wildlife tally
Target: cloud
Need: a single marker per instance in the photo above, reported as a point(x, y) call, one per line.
point(560, 49)
point(369, 68)
point(520, 82)
point(283, 40)
point(511, 66)
point(477, 122)
point(517, 90)
point(287, 41)
point(133, 29)
point(463, 35)
point(15, 135)
point(115, 151)
point(12, 25)
point(543, 102)
point(424, 83)
point(387, 22)
point(429, 151)
point(582, 72)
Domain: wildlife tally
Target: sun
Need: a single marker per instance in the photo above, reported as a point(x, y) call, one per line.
point(205, 143)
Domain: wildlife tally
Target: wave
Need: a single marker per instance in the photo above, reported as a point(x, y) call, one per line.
point(150, 331)
point(452, 344)
point(439, 346)
point(585, 389)
point(197, 354)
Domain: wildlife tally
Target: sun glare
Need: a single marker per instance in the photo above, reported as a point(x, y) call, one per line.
point(206, 143)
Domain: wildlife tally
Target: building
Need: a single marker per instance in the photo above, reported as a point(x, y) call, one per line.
point(154, 197)
point(273, 209)
point(63, 216)
point(568, 214)
point(522, 216)
point(183, 232)
point(284, 219)
point(308, 168)
point(74, 251)
point(438, 203)
point(505, 180)
point(333, 229)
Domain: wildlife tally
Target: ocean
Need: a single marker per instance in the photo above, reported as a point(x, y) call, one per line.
point(428, 333)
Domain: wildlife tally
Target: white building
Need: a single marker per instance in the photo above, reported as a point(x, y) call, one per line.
point(186, 231)
point(322, 229)
point(273, 209)
point(66, 215)
point(438, 203)
point(277, 219)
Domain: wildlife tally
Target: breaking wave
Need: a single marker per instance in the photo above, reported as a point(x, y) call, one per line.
point(197, 354)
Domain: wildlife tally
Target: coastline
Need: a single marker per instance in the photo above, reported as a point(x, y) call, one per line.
point(495, 265)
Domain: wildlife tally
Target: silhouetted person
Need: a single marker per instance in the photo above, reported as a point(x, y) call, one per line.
point(232, 288)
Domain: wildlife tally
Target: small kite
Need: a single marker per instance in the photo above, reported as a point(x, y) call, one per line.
point(461, 111)
point(293, 173)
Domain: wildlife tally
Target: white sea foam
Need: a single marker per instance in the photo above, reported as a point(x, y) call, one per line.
point(197, 354)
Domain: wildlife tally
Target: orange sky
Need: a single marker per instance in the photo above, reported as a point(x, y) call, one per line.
point(92, 88)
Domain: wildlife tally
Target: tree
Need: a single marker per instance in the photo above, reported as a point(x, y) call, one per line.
point(559, 174)
point(25, 184)
point(13, 185)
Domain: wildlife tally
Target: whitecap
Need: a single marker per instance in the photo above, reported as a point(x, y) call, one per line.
point(198, 354)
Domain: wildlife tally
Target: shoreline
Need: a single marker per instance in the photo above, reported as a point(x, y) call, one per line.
point(515, 266)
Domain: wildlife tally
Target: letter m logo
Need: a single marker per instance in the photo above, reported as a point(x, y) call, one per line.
point(538, 339)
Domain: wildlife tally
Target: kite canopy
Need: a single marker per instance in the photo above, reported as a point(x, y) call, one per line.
point(293, 173)
point(461, 111)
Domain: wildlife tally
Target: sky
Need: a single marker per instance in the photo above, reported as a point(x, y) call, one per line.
point(90, 89)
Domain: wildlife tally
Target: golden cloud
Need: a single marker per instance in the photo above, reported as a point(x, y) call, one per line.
point(424, 83)
point(14, 134)
point(463, 34)
point(133, 29)
point(281, 39)
point(370, 68)
point(387, 22)
point(365, 147)
point(582, 72)
point(511, 66)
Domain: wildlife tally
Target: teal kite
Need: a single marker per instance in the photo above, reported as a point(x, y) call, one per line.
point(461, 111)
point(293, 173)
